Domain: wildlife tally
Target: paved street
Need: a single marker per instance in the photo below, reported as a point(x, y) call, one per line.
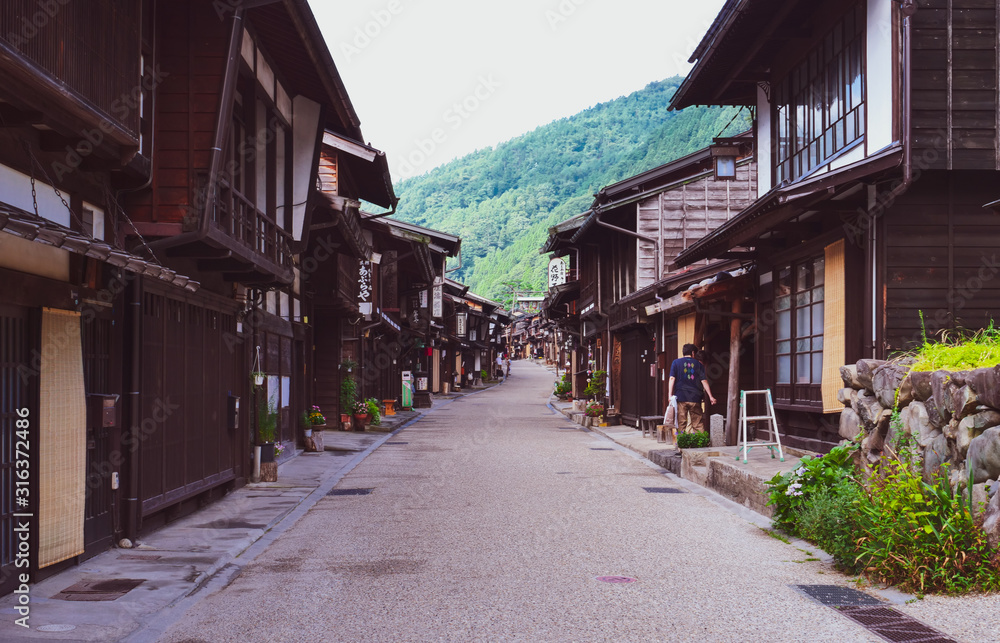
point(490, 519)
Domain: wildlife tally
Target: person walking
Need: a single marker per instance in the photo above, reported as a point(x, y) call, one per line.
point(499, 368)
point(688, 380)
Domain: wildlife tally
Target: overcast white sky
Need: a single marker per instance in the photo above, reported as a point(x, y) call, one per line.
point(433, 80)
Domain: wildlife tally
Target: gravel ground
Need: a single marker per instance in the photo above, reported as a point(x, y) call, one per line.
point(492, 523)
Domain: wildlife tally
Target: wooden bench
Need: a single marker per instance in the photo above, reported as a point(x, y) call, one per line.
point(647, 424)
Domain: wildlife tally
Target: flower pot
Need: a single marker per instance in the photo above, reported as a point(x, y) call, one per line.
point(360, 420)
point(258, 380)
point(308, 432)
point(267, 452)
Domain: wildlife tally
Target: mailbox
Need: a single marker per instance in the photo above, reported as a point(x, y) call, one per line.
point(102, 410)
point(233, 412)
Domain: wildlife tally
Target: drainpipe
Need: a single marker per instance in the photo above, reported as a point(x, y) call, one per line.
point(907, 8)
point(222, 121)
point(135, 422)
point(642, 237)
point(152, 117)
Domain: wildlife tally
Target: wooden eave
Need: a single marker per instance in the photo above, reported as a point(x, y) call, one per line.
point(367, 166)
point(288, 31)
point(737, 51)
point(44, 100)
point(786, 202)
point(25, 225)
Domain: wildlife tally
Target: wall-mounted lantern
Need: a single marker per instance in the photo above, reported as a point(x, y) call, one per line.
point(725, 152)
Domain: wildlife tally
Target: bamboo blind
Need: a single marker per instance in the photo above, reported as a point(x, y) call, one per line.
point(62, 452)
point(685, 331)
point(834, 322)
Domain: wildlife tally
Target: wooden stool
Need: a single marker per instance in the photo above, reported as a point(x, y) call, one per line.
point(647, 423)
point(389, 407)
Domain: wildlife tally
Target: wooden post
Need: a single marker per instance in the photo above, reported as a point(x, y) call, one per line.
point(733, 403)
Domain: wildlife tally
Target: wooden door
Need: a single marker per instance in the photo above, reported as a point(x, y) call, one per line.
point(98, 376)
point(15, 394)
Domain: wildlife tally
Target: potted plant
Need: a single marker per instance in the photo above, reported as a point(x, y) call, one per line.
point(258, 377)
point(564, 388)
point(361, 416)
point(316, 417)
point(374, 411)
point(595, 385)
point(267, 428)
point(348, 392)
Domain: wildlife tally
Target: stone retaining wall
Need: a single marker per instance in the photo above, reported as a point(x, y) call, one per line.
point(953, 418)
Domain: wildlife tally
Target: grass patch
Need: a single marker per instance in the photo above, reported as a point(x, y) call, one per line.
point(958, 350)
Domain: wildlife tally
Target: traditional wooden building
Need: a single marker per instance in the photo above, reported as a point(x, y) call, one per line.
point(877, 143)
point(621, 250)
point(159, 226)
point(72, 144)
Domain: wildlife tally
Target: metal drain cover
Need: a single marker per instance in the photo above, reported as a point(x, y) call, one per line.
point(349, 492)
point(615, 579)
point(873, 614)
point(662, 490)
point(138, 557)
point(894, 626)
point(396, 443)
point(837, 596)
point(99, 590)
point(601, 449)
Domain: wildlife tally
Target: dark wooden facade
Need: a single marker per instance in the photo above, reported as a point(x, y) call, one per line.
point(186, 148)
point(905, 204)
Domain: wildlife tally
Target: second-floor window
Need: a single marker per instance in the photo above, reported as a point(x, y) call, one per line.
point(820, 105)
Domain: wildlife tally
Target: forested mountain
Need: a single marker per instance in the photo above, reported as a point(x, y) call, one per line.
point(502, 200)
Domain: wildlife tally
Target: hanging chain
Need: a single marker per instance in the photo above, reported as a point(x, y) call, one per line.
point(34, 195)
point(35, 162)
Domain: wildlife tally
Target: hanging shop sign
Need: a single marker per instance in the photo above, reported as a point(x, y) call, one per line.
point(557, 272)
point(365, 288)
point(461, 320)
point(437, 299)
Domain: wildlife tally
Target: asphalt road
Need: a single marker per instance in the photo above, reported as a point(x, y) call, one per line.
point(491, 519)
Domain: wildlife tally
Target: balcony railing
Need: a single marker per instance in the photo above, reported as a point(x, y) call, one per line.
point(243, 222)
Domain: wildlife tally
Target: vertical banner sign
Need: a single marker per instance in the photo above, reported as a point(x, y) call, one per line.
point(423, 299)
point(557, 272)
point(365, 288)
point(437, 301)
point(389, 281)
point(460, 324)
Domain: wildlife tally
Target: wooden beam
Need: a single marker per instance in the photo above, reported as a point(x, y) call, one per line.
point(733, 403)
point(196, 251)
point(764, 35)
point(10, 116)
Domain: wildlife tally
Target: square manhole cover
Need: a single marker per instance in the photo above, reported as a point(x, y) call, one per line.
point(662, 490)
point(349, 492)
point(836, 596)
point(99, 590)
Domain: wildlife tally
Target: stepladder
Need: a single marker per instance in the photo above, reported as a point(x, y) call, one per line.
point(773, 439)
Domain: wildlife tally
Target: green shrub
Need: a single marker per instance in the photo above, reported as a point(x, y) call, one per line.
point(922, 536)
point(830, 519)
point(564, 386)
point(698, 440)
point(790, 492)
point(595, 385)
